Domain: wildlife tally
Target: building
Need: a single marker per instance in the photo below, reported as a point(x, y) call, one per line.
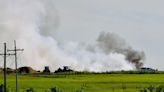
point(46, 69)
point(147, 69)
point(65, 69)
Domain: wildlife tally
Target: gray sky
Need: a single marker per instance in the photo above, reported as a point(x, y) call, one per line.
point(139, 22)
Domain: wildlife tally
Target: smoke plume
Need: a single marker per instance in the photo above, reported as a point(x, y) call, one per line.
point(33, 23)
point(110, 42)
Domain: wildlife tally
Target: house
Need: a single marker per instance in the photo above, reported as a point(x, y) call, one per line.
point(65, 69)
point(147, 69)
point(46, 69)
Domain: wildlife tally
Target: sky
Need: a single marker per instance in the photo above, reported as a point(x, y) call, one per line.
point(139, 22)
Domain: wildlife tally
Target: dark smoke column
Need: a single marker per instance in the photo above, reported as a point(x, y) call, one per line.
point(110, 42)
point(135, 57)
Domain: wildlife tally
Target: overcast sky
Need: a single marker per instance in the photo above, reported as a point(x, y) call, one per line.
point(139, 22)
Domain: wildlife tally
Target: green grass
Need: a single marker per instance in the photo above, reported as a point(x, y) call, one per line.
point(85, 82)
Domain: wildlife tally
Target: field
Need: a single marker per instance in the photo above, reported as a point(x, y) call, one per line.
point(84, 82)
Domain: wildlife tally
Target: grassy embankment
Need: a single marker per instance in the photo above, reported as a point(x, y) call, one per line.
point(86, 82)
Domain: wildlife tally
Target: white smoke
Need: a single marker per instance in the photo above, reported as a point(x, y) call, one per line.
point(33, 23)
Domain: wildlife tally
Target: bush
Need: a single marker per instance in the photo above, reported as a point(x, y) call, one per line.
point(54, 89)
point(30, 90)
point(153, 89)
point(1, 88)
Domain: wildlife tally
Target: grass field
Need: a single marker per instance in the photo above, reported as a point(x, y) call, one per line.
point(85, 82)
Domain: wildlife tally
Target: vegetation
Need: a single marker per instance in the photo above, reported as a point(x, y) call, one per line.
point(86, 82)
point(153, 89)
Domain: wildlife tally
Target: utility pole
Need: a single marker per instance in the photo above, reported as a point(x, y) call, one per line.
point(4, 67)
point(16, 65)
point(5, 54)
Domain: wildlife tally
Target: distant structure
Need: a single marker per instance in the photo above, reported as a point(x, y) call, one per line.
point(10, 70)
point(147, 69)
point(65, 69)
point(46, 70)
point(1, 69)
point(26, 69)
point(21, 70)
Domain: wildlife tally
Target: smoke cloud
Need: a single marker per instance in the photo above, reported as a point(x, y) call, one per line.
point(33, 23)
point(110, 42)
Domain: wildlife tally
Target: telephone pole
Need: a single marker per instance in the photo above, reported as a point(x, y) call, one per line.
point(16, 65)
point(5, 54)
point(4, 69)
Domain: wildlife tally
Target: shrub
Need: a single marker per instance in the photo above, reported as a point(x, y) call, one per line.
point(1, 88)
point(54, 89)
point(30, 90)
point(153, 89)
